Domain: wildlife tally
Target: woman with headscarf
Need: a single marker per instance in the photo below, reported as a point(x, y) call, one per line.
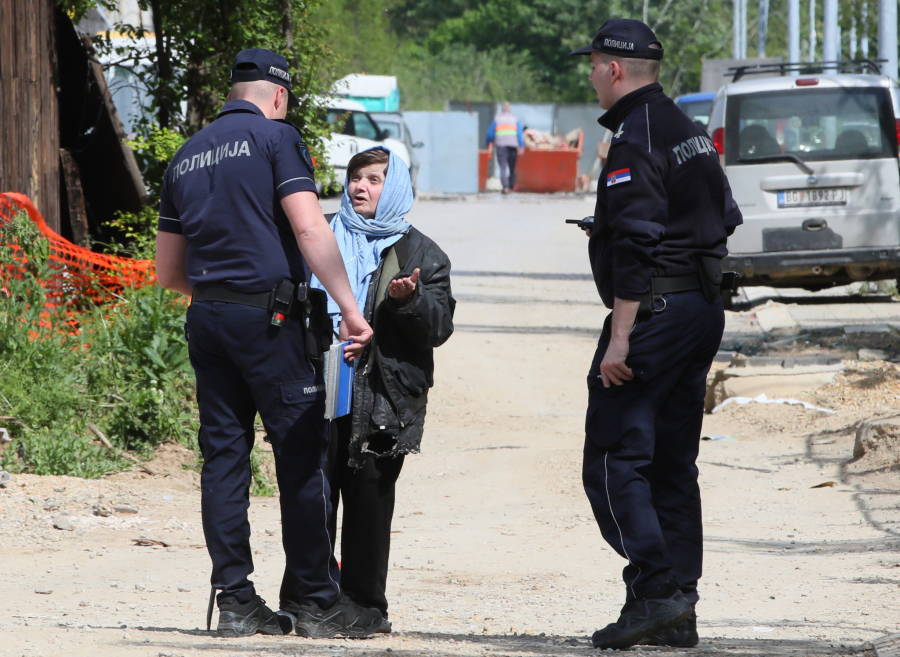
point(401, 280)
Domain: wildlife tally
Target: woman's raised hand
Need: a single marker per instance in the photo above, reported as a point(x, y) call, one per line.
point(401, 289)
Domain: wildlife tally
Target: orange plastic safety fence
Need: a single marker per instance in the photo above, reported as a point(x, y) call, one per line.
point(79, 276)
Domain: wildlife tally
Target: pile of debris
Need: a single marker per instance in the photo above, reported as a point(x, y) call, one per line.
point(547, 141)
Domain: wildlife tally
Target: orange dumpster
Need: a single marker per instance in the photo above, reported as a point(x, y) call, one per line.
point(484, 160)
point(539, 170)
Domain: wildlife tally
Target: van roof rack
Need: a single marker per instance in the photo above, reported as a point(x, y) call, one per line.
point(843, 66)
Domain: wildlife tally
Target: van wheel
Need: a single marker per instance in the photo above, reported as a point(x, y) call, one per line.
point(727, 300)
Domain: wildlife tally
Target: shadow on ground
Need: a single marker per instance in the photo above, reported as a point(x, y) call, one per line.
point(416, 644)
point(741, 304)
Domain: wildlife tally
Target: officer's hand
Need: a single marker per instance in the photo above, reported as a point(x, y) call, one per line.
point(588, 232)
point(357, 329)
point(613, 369)
point(401, 289)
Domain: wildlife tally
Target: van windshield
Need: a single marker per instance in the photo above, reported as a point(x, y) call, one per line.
point(815, 125)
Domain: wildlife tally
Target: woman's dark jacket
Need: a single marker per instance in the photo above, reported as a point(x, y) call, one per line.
point(394, 373)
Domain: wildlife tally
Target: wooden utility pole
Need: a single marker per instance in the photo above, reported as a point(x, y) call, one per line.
point(29, 113)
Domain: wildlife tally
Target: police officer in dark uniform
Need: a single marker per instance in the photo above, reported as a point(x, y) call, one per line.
point(664, 211)
point(240, 228)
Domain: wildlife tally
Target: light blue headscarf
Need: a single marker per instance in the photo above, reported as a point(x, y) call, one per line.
point(362, 241)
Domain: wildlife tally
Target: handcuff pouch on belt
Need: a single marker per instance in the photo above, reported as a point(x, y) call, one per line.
point(714, 281)
point(711, 275)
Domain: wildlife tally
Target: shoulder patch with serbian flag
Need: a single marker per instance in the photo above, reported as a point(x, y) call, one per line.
point(620, 176)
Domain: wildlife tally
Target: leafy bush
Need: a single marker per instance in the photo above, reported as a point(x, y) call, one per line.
point(122, 368)
point(154, 149)
point(137, 234)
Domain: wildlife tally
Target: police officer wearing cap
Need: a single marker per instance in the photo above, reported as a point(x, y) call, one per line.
point(664, 211)
point(240, 229)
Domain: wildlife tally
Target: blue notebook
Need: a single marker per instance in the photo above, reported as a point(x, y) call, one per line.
point(338, 382)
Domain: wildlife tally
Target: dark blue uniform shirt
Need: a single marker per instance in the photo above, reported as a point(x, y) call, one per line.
point(662, 199)
point(223, 192)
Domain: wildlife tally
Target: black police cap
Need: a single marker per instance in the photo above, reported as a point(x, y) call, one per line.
point(624, 37)
point(259, 64)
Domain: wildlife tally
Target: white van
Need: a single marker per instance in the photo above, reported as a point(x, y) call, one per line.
point(354, 131)
point(812, 162)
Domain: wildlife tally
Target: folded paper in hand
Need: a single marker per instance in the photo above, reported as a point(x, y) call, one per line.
point(338, 382)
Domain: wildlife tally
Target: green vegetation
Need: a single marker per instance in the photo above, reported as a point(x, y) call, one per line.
point(123, 369)
point(260, 462)
point(428, 81)
point(514, 50)
point(185, 60)
point(391, 37)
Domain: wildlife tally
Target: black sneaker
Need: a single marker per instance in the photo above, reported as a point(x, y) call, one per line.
point(385, 627)
point(660, 611)
point(343, 618)
point(249, 618)
point(681, 636)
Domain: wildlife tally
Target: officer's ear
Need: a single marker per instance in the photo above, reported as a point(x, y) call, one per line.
point(280, 96)
point(615, 67)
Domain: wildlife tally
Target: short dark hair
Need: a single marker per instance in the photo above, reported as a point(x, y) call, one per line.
point(642, 69)
point(368, 158)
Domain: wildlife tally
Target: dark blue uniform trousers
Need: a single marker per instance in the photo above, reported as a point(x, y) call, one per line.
point(244, 365)
point(642, 441)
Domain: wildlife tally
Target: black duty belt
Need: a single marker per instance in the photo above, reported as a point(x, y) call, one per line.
point(673, 284)
point(221, 293)
point(279, 302)
point(650, 303)
point(690, 282)
point(288, 300)
point(718, 281)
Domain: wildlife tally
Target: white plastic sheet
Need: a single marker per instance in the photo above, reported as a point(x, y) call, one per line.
point(762, 399)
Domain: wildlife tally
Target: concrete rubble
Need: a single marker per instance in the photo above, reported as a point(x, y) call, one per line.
point(772, 376)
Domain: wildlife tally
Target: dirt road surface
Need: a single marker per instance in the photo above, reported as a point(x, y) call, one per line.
point(495, 550)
